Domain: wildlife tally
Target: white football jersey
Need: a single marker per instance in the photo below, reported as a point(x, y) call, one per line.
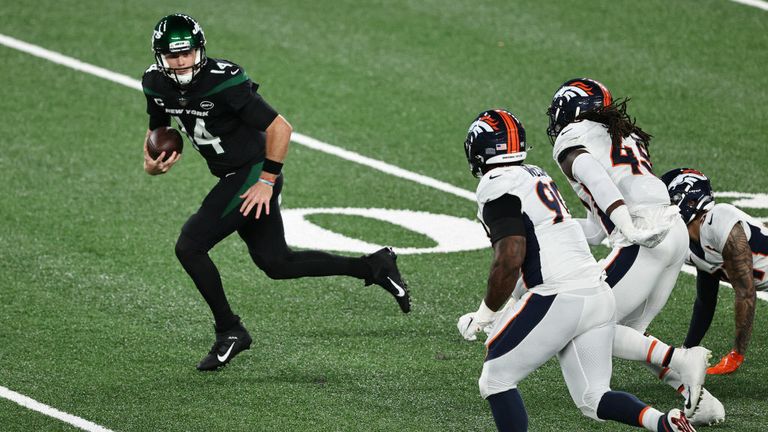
point(629, 167)
point(717, 226)
point(557, 257)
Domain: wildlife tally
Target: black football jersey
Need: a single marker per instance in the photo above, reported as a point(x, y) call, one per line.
point(220, 111)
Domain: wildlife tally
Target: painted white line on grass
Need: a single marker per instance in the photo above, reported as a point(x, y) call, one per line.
point(69, 62)
point(381, 166)
point(754, 3)
point(34, 405)
point(762, 295)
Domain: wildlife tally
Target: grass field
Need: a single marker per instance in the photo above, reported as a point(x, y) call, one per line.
point(99, 320)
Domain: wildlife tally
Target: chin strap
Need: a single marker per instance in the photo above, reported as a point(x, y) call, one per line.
point(185, 79)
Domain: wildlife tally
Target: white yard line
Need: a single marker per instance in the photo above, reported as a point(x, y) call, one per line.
point(754, 3)
point(50, 411)
point(762, 295)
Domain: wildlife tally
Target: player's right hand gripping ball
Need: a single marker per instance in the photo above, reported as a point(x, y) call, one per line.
point(164, 139)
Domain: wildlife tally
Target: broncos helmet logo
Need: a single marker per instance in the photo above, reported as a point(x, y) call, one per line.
point(483, 124)
point(689, 178)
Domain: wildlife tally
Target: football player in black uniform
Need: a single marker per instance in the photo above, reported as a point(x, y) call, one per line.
point(244, 141)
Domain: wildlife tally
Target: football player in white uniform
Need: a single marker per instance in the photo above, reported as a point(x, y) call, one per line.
point(725, 244)
point(568, 310)
point(605, 157)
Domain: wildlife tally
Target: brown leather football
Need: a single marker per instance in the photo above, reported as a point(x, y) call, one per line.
point(164, 139)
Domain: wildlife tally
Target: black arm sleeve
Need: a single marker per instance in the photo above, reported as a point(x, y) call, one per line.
point(503, 217)
point(707, 286)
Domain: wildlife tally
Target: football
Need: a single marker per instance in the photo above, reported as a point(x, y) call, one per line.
point(164, 139)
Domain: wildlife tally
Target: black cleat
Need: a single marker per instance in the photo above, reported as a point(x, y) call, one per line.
point(227, 345)
point(386, 275)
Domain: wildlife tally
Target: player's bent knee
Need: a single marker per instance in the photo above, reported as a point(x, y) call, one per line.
point(490, 386)
point(276, 269)
point(588, 405)
point(187, 248)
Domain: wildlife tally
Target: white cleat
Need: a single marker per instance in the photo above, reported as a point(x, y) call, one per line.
point(709, 412)
point(675, 421)
point(691, 364)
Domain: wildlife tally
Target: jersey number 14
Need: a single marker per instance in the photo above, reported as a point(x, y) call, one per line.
point(201, 136)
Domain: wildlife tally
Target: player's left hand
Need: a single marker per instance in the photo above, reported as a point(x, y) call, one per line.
point(469, 326)
point(728, 364)
point(257, 195)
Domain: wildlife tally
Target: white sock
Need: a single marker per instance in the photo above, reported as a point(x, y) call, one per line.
point(649, 418)
point(631, 344)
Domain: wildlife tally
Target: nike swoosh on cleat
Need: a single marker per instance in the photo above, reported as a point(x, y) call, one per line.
point(400, 290)
point(226, 354)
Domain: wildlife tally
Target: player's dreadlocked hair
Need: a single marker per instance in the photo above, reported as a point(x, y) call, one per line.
point(620, 124)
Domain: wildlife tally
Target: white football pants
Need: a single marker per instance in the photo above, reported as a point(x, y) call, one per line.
point(577, 326)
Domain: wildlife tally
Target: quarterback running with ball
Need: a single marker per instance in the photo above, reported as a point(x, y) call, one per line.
point(244, 141)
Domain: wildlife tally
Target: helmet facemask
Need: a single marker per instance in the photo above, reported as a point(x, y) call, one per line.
point(181, 80)
point(176, 34)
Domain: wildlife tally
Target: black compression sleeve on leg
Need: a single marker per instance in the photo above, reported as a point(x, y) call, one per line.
point(206, 277)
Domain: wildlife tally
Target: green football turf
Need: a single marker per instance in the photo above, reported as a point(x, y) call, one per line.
point(98, 319)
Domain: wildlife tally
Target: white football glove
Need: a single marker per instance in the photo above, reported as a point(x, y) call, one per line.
point(647, 237)
point(472, 323)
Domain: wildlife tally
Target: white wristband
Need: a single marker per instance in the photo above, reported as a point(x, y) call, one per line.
point(484, 314)
point(621, 218)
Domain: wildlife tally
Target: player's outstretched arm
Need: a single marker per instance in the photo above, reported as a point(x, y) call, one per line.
point(707, 286)
point(508, 256)
point(503, 216)
point(158, 166)
point(737, 257)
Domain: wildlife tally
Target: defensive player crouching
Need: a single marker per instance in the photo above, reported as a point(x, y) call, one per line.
point(726, 244)
point(568, 310)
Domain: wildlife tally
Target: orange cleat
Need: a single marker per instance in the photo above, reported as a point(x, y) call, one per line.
point(728, 364)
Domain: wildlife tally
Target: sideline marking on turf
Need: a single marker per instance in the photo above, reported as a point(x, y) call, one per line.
point(754, 3)
point(50, 411)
